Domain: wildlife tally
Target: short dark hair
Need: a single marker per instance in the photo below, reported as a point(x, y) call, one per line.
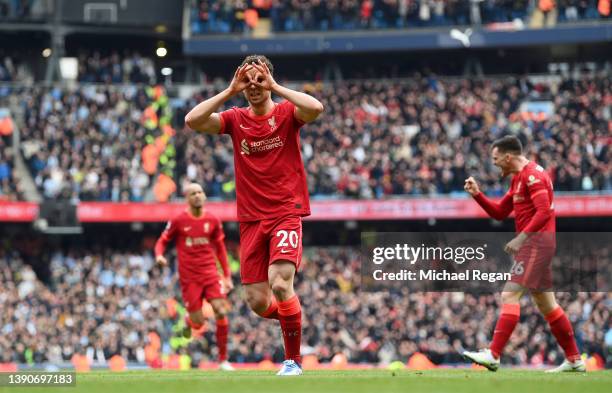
point(255, 58)
point(508, 144)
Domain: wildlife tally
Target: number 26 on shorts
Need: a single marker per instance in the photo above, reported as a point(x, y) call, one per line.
point(517, 268)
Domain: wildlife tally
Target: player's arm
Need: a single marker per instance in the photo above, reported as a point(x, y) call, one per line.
point(203, 117)
point(497, 210)
point(221, 251)
point(222, 256)
point(162, 243)
point(541, 202)
point(307, 108)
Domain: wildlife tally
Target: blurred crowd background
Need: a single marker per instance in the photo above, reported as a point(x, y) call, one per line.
point(237, 16)
point(397, 124)
point(420, 136)
point(100, 302)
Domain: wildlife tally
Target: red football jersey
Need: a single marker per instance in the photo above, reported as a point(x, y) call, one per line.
point(198, 239)
point(525, 185)
point(270, 176)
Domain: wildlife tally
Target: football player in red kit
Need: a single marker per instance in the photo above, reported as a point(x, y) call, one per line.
point(199, 241)
point(271, 191)
point(531, 198)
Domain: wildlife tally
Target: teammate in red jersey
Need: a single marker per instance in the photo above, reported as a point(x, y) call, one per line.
point(531, 198)
point(199, 241)
point(272, 196)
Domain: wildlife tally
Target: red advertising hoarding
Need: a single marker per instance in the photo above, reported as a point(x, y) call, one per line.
point(333, 210)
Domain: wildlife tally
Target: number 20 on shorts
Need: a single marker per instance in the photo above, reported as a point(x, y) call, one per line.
point(292, 236)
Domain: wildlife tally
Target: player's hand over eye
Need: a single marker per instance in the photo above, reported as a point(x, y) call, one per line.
point(263, 78)
point(471, 186)
point(241, 80)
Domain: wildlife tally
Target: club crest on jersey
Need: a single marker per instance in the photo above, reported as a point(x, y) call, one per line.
point(244, 146)
point(207, 227)
point(272, 123)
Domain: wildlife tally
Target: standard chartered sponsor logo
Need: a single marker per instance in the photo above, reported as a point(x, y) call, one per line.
point(259, 146)
point(196, 241)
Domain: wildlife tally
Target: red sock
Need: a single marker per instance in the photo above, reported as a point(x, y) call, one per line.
point(506, 323)
point(290, 317)
point(563, 332)
point(193, 325)
point(222, 331)
point(272, 311)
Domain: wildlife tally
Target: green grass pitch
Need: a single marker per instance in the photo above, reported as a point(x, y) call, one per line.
point(377, 381)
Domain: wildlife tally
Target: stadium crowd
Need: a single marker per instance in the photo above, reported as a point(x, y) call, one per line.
point(101, 303)
point(114, 68)
point(225, 16)
point(8, 186)
point(25, 10)
point(423, 136)
point(420, 136)
point(85, 143)
point(13, 70)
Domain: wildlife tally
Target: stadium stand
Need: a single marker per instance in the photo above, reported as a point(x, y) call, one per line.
point(221, 16)
point(127, 68)
point(113, 135)
point(85, 143)
point(124, 298)
point(8, 188)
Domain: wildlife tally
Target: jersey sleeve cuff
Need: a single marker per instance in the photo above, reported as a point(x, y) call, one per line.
point(299, 121)
point(222, 121)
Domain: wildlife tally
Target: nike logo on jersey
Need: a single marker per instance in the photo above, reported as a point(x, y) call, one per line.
point(246, 128)
point(284, 251)
point(187, 229)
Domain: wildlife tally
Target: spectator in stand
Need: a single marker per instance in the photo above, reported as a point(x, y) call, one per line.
point(8, 187)
point(12, 70)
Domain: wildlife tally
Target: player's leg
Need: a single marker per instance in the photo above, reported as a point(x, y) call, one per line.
point(254, 258)
point(285, 257)
point(260, 300)
point(508, 318)
point(507, 321)
point(221, 307)
point(561, 328)
point(192, 297)
point(281, 275)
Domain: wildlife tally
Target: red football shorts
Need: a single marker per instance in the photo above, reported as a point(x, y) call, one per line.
point(532, 267)
point(193, 293)
point(267, 241)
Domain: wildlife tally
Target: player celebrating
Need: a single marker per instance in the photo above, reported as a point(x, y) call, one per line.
point(531, 198)
point(199, 238)
point(271, 191)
